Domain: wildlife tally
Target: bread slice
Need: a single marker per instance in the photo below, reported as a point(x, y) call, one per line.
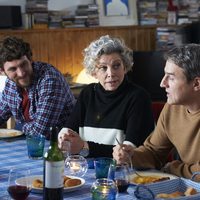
point(190, 191)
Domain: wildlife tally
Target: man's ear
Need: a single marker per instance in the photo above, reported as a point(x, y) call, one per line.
point(2, 71)
point(197, 84)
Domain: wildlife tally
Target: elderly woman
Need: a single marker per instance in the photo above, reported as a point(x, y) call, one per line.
point(111, 109)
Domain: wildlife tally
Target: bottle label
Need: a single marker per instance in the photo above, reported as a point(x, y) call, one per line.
point(171, 17)
point(54, 174)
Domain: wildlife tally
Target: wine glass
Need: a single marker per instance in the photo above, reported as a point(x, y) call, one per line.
point(120, 174)
point(66, 150)
point(19, 185)
point(76, 165)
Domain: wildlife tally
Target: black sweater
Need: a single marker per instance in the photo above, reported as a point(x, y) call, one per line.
point(100, 116)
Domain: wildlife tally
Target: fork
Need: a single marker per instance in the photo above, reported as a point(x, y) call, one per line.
point(129, 158)
point(138, 174)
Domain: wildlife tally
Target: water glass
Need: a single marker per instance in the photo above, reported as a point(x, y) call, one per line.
point(102, 165)
point(104, 189)
point(66, 149)
point(35, 146)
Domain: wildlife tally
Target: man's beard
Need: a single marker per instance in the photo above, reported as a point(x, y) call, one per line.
point(24, 83)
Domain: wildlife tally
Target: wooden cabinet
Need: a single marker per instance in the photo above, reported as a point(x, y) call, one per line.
point(63, 47)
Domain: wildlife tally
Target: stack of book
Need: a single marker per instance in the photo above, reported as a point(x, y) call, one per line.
point(68, 21)
point(87, 15)
point(152, 12)
point(147, 12)
point(55, 19)
point(165, 37)
point(38, 9)
point(189, 11)
point(162, 12)
point(182, 16)
point(194, 10)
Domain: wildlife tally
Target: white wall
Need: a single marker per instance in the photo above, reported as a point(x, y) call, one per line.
point(52, 4)
point(66, 4)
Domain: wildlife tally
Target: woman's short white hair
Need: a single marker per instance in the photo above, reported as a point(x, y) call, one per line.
point(106, 45)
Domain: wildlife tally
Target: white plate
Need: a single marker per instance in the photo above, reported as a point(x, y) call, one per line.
point(151, 173)
point(20, 181)
point(9, 133)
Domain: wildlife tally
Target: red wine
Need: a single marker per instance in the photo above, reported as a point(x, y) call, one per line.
point(122, 185)
point(54, 193)
point(18, 192)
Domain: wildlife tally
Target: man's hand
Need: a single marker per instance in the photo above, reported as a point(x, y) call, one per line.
point(122, 153)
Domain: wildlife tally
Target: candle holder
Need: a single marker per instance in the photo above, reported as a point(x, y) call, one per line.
point(76, 165)
point(104, 189)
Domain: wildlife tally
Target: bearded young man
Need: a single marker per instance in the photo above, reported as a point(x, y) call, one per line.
point(36, 93)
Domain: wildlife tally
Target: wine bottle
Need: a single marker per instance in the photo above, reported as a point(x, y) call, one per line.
point(53, 169)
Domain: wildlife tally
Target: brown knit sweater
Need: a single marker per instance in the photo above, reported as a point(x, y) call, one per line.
point(176, 128)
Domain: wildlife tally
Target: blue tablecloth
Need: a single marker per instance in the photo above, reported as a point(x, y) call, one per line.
point(13, 152)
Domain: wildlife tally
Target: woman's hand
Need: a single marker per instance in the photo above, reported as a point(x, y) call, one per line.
point(122, 153)
point(75, 140)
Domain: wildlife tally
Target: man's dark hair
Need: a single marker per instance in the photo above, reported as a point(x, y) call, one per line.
point(12, 48)
point(187, 57)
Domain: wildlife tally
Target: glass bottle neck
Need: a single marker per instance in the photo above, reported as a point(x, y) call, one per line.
point(171, 6)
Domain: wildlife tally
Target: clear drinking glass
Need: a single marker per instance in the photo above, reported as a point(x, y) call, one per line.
point(66, 150)
point(19, 183)
point(120, 174)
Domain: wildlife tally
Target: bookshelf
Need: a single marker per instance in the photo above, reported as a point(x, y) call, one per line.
point(157, 12)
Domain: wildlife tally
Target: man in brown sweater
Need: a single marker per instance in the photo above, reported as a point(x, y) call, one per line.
point(179, 122)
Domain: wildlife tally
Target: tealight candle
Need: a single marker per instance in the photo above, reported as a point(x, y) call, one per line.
point(75, 166)
point(105, 190)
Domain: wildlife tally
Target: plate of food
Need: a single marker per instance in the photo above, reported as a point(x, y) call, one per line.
point(71, 183)
point(9, 133)
point(147, 177)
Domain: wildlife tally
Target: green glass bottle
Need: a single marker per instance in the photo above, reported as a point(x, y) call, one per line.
point(53, 169)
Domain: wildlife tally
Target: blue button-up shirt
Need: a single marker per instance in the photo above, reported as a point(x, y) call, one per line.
point(51, 100)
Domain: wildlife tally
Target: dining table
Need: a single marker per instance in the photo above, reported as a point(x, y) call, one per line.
point(13, 153)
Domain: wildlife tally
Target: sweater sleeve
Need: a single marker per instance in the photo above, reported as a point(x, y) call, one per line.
point(154, 152)
point(181, 169)
point(183, 135)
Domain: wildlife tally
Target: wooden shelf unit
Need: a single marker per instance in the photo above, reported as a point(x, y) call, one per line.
point(63, 47)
